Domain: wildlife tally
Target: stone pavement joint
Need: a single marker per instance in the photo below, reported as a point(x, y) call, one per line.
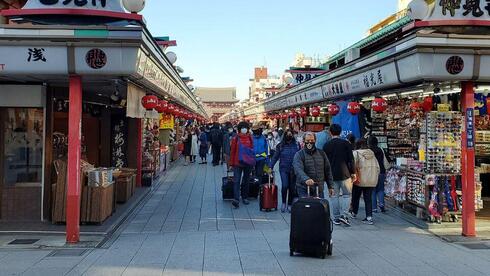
point(184, 228)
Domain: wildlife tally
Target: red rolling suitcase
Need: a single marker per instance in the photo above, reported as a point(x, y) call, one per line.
point(268, 196)
point(311, 227)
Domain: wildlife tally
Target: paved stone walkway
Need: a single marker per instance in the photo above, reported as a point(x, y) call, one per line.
point(186, 229)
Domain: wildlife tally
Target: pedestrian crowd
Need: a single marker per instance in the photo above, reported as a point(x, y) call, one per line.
point(347, 168)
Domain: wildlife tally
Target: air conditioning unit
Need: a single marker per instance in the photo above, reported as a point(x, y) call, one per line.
point(352, 54)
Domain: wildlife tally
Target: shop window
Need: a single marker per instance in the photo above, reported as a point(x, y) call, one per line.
point(21, 152)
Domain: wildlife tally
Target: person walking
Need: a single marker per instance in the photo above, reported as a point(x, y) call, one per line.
point(272, 143)
point(216, 143)
point(230, 133)
point(260, 151)
point(242, 159)
point(203, 146)
point(187, 140)
point(194, 144)
point(384, 165)
point(368, 169)
point(312, 167)
point(284, 153)
point(339, 153)
point(322, 138)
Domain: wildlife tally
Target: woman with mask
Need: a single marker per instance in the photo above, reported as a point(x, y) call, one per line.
point(242, 160)
point(285, 152)
point(272, 143)
point(187, 140)
point(194, 144)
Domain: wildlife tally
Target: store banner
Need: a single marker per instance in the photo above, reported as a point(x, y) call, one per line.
point(349, 122)
point(167, 121)
point(134, 109)
point(103, 5)
point(457, 10)
point(119, 142)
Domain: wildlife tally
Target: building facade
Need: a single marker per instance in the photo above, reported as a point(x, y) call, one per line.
point(217, 101)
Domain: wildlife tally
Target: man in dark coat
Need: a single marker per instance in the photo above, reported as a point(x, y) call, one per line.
point(216, 142)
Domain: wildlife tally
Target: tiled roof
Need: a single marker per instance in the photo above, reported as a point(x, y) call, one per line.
point(210, 94)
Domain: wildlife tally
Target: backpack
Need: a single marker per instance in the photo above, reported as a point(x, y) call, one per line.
point(367, 171)
point(246, 156)
point(215, 136)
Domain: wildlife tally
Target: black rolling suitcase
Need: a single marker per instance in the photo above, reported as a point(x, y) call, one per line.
point(254, 188)
point(227, 187)
point(311, 227)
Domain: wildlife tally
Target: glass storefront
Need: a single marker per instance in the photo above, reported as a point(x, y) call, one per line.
point(21, 152)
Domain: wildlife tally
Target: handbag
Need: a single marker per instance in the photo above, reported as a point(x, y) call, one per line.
point(245, 154)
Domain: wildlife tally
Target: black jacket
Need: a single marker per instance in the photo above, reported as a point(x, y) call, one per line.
point(339, 153)
point(216, 136)
point(380, 156)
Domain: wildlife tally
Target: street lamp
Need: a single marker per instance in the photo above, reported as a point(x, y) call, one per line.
point(134, 6)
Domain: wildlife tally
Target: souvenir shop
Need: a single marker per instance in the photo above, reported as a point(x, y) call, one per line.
point(83, 120)
point(421, 87)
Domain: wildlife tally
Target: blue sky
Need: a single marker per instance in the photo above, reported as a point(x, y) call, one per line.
point(220, 42)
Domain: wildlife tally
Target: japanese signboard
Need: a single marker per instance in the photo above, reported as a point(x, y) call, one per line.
point(106, 5)
point(119, 142)
point(470, 128)
point(460, 9)
point(38, 59)
point(300, 77)
point(166, 121)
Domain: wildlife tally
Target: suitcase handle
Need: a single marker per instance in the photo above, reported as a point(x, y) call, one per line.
point(317, 190)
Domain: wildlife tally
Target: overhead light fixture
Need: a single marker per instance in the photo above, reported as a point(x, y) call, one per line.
point(412, 92)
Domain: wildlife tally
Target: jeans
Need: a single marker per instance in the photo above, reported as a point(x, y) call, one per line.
point(241, 179)
point(378, 197)
point(259, 169)
point(288, 187)
point(340, 203)
point(367, 193)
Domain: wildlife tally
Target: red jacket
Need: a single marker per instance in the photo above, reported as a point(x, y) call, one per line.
point(246, 140)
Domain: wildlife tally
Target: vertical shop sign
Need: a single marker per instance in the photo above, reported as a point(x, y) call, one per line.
point(119, 142)
point(470, 128)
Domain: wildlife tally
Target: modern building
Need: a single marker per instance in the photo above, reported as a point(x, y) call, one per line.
point(263, 85)
point(217, 101)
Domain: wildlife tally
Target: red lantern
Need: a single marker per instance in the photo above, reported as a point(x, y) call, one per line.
point(293, 114)
point(315, 111)
point(379, 105)
point(354, 108)
point(333, 109)
point(149, 102)
point(284, 116)
point(303, 112)
point(427, 105)
point(162, 106)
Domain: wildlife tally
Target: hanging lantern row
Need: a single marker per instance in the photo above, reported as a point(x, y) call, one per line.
point(151, 102)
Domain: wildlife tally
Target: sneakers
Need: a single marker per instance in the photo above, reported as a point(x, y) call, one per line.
point(375, 210)
point(235, 204)
point(283, 208)
point(368, 220)
point(246, 202)
point(336, 221)
point(352, 215)
point(344, 220)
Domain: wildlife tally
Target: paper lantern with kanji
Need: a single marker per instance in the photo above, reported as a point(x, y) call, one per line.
point(379, 105)
point(303, 112)
point(333, 109)
point(354, 108)
point(161, 106)
point(284, 116)
point(171, 109)
point(293, 114)
point(315, 111)
point(149, 102)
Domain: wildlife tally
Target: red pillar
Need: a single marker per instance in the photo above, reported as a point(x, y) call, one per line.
point(468, 159)
point(139, 153)
point(73, 169)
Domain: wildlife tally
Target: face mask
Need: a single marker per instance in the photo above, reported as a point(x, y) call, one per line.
point(244, 131)
point(269, 137)
point(230, 130)
point(310, 146)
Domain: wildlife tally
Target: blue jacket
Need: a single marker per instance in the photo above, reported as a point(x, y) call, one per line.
point(322, 138)
point(285, 154)
point(203, 138)
point(260, 147)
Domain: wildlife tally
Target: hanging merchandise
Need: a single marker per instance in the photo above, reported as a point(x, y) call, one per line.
point(379, 105)
point(149, 102)
point(354, 108)
point(333, 109)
